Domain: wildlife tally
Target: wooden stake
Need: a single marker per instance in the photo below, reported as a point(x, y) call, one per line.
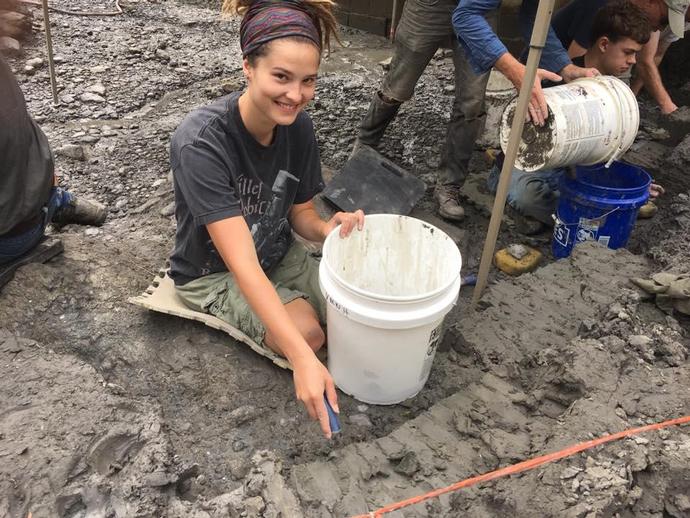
point(49, 44)
point(540, 30)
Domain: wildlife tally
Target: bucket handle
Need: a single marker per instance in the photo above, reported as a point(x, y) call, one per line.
point(558, 221)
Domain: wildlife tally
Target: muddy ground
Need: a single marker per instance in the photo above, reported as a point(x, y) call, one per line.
point(109, 410)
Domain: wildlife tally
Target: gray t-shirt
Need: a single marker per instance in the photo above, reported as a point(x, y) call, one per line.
point(220, 171)
point(26, 163)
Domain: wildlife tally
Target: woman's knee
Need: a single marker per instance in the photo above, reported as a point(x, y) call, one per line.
point(314, 336)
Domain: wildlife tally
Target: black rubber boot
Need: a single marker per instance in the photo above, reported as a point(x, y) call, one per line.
point(82, 212)
point(377, 119)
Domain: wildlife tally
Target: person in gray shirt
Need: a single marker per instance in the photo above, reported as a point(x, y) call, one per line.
point(246, 169)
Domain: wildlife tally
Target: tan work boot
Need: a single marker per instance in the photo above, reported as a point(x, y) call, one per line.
point(448, 198)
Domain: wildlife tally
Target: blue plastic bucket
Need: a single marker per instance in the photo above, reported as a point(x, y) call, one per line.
point(599, 204)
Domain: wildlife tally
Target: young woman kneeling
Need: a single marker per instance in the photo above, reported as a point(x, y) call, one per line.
point(246, 169)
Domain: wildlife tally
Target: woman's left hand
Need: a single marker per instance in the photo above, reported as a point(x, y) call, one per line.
point(347, 221)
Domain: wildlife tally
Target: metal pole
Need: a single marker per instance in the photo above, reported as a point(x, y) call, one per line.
point(540, 30)
point(49, 44)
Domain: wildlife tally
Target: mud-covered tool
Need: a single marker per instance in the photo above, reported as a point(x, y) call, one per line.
point(371, 182)
point(333, 420)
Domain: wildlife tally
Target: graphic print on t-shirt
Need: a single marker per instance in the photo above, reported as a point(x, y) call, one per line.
point(266, 216)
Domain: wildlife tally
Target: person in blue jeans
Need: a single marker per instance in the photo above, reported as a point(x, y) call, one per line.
point(29, 196)
point(619, 31)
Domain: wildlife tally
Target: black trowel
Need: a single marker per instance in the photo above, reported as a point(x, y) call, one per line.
point(371, 182)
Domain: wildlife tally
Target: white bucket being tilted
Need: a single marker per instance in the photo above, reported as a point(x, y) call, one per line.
point(388, 289)
point(591, 120)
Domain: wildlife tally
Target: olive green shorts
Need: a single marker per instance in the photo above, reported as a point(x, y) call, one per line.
point(296, 276)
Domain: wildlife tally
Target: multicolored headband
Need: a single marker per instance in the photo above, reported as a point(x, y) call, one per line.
point(268, 20)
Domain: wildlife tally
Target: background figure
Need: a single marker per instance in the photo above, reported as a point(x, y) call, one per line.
point(654, 51)
point(573, 26)
point(424, 28)
point(29, 196)
point(619, 30)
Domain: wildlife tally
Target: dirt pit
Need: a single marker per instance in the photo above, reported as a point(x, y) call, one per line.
point(109, 410)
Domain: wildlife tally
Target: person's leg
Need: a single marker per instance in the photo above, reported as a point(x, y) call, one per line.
point(416, 41)
point(531, 196)
point(466, 121)
point(305, 319)
point(71, 209)
point(13, 247)
point(219, 295)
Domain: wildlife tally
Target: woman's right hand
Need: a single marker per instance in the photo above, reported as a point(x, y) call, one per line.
point(312, 380)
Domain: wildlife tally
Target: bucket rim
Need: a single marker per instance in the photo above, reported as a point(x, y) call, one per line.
point(377, 297)
point(619, 189)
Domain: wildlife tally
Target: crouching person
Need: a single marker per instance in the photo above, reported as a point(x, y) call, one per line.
point(245, 170)
point(30, 198)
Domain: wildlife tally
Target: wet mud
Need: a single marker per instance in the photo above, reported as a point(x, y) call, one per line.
point(109, 410)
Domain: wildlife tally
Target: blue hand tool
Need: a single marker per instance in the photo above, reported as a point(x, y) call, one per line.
point(333, 420)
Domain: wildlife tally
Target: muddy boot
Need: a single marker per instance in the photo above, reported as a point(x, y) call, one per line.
point(80, 211)
point(525, 225)
point(448, 198)
point(373, 126)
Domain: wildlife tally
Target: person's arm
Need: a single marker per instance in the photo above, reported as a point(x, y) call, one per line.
point(482, 46)
point(648, 73)
point(307, 223)
point(234, 243)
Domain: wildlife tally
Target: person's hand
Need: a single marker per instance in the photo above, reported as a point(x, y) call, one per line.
point(668, 108)
point(572, 72)
point(312, 379)
point(13, 22)
point(538, 110)
point(347, 221)
point(656, 190)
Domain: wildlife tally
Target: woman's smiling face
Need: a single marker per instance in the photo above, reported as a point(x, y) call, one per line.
point(283, 80)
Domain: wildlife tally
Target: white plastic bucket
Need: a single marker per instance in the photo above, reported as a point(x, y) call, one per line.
point(499, 92)
point(387, 289)
point(591, 120)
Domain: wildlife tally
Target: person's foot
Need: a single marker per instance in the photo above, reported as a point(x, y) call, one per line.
point(448, 198)
point(525, 225)
point(82, 212)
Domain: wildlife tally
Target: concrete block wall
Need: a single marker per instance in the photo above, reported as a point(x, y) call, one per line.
point(373, 16)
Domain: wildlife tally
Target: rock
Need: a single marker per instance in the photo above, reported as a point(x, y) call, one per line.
point(97, 88)
point(639, 341)
point(168, 210)
point(239, 468)
point(35, 63)
point(90, 97)
point(242, 415)
point(408, 465)
point(92, 231)
point(73, 151)
point(121, 203)
point(29, 71)
point(570, 472)
point(359, 420)
point(238, 445)
point(254, 507)
point(449, 89)
point(162, 55)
